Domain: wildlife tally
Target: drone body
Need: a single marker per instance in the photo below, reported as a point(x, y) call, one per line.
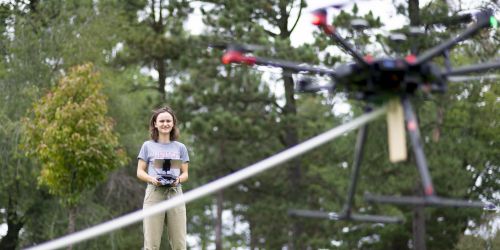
point(389, 77)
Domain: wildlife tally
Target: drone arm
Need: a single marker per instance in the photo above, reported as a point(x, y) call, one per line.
point(295, 67)
point(346, 46)
point(232, 56)
point(439, 49)
point(414, 135)
point(319, 19)
point(476, 68)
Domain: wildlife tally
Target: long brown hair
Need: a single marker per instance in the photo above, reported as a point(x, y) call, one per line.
point(153, 131)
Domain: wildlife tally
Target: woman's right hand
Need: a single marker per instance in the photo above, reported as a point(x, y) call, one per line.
point(154, 181)
point(143, 175)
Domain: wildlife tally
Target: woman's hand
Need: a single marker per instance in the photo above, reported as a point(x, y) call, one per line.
point(153, 181)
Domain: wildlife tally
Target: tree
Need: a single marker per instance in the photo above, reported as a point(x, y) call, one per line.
point(39, 39)
point(155, 38)
point(72, 138)
point(19, 200)
point(243, 19)
point(17, 203)
point(225, 122)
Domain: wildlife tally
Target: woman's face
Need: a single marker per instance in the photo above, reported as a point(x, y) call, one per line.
point(164, 123)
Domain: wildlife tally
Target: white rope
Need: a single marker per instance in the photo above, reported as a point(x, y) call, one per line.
point(211, 187)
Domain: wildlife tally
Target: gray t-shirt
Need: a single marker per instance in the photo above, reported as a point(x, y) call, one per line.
point(164, 158)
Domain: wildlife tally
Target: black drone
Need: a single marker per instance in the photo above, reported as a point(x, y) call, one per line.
point(369, 79)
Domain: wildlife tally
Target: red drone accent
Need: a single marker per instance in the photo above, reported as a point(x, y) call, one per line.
point(233, 56)
point(368, 58)
point(429, 190)
point(412, 125)
point(319, 18)
point(411, 58)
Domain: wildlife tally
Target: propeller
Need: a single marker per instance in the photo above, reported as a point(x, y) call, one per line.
point(336, 5)
point(242, 48)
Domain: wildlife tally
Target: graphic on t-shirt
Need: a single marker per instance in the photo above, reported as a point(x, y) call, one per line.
point(167, 155)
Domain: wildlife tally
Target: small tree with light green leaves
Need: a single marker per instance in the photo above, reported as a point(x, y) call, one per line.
point(72, 139)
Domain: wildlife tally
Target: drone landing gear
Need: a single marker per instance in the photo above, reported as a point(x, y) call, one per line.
point(429, 198)
point(346, 213)
point(345, 216)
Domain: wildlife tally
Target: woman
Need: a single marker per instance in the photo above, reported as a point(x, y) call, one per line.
point(163, 164)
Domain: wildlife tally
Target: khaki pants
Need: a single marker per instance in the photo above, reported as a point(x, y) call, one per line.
point(176, 220)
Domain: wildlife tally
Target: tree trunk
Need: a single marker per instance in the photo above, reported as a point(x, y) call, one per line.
point(162, 78)
point(72, 221)
point(159, 62)
point(253, 239)
point(294, 169)
point(291, 133)
point(218, 222)
point(418, 211)
point(414, 12)
point(419, 228)
point(14, 225)
point(414, 15)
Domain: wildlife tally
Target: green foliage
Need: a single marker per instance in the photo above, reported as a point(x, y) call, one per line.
point(484, 235)
point(155, 38)
point(40, 40)
point(71, 136)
